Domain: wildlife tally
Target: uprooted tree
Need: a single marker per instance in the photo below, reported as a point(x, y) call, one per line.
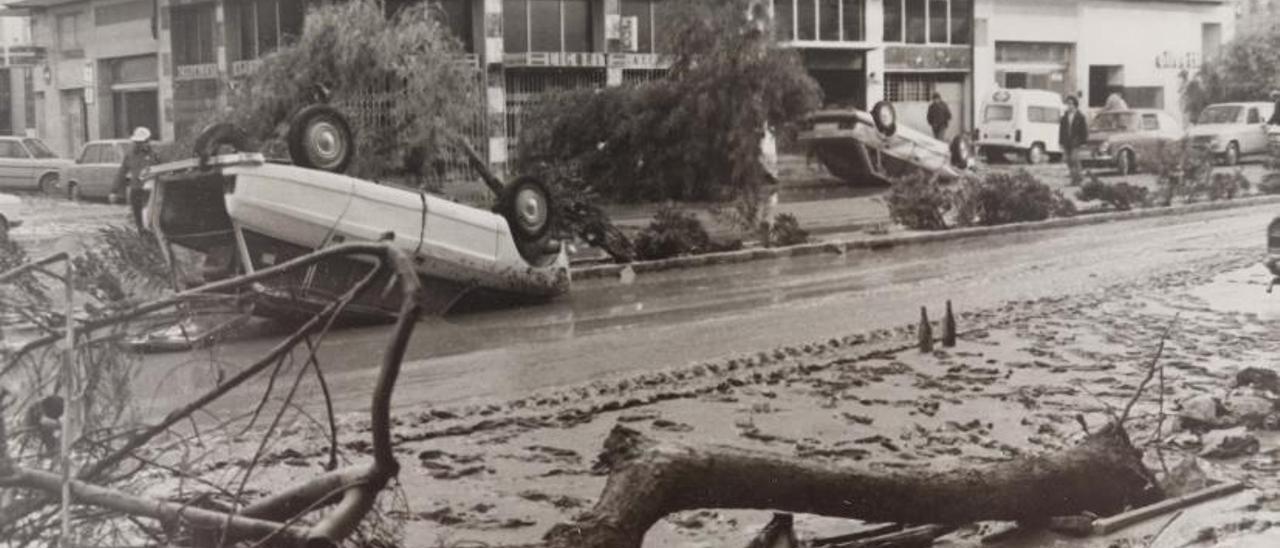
point(167, 478)
point(692, 134)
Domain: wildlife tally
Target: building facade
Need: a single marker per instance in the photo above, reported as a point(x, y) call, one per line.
point(1145, 50)
point(18, 58)
point(110, 65)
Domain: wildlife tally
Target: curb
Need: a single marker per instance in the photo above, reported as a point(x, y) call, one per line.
point(888, 242)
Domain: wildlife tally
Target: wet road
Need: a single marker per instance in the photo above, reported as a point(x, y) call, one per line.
point(604, 329)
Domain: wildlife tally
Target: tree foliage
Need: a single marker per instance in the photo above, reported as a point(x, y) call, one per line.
point(1247, 70)
point(693, 134)
point(397, 77)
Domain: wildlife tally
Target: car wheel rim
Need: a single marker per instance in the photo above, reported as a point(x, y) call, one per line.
point(327, 145)
point(531, 210)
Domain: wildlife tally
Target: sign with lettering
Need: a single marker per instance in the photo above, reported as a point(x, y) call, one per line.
point(245, 67)
point(207, 71)
point(590, 60)
point(1178, 61)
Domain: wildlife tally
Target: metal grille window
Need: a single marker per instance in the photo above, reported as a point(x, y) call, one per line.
point(525, 87)
point(825, 20)
point(901, 88)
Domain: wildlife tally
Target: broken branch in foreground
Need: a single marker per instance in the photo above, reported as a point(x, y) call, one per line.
point(651, 479)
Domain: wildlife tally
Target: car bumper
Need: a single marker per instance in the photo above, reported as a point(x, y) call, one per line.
point(1095, 158)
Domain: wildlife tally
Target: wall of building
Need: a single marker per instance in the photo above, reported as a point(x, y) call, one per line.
point(1150, 47)
point(75, 94)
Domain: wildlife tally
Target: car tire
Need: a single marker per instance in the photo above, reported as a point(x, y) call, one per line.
point(526, 205)
point(1036, 155)
point(320, 138)
point(216, 136)
point(49, 184)
point(885, 117)
point(961, 152)
point(1232, 156)
point(1125, 163)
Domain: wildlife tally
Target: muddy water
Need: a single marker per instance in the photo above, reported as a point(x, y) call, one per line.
point(603, 329)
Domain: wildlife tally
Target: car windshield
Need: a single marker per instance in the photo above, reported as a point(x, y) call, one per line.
point(1115, 121)
point(998, 113)
point(1220, 115)
point(39, 149)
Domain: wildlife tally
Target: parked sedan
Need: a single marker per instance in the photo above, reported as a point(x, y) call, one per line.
point(27, 164)
point(1232, 131)
point(94, 173)
point(1120, 139)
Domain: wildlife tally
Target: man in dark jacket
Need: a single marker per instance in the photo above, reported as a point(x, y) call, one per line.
point(1073, 132)
point(939, 117)
point(128, 183)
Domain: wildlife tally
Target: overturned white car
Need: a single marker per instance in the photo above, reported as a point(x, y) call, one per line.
point(244, 213)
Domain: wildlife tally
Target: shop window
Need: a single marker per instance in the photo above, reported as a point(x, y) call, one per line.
point(938, 23)
point(257, 27)
point(853, 19)
point(829, 20)
point(70, 33)
point(893, 20)
point(784, 19)
point(192, 33)
point(961, 17)
point(928, 21)
point(914, 10)
point(547, 25)
point(825, 20)
point(643, 13)
point(457, 18)
point(805, 22)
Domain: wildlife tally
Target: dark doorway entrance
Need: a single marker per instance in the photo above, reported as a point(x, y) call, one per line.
point(137, 108)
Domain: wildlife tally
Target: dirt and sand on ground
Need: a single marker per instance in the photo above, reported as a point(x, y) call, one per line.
point(499, 472)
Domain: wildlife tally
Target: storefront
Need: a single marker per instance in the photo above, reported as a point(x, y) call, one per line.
point(1144, 51)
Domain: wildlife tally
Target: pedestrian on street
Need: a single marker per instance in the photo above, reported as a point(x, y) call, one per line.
point(1073, 132)
point(128, 181)
point(1275, 112)
point(1116, 102)
point(939, 117)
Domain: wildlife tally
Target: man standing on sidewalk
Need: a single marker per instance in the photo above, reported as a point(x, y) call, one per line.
point(939, 117)
point(1073, 132)
point(128, 183)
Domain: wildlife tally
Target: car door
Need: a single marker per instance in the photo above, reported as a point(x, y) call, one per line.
point(1254, 133)
point(15, 165)
point(101, 174)
point(79, 173)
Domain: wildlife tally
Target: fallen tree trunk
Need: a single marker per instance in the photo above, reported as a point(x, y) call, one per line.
point(649, 480)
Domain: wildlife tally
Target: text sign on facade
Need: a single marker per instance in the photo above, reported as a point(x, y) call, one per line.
point(588, 60)
point(1170, 60)
point(205, 71)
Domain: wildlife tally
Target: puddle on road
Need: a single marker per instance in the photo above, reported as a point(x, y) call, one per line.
point(1242, 291)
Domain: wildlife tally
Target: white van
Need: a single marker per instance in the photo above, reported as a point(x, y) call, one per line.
point(1024, 121)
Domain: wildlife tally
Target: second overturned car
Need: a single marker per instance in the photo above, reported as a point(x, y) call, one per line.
point(243, 213)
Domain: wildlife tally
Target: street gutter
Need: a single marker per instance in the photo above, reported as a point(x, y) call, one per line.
point(887, 242)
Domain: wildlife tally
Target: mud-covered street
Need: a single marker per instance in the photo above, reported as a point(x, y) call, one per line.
point(504, 469)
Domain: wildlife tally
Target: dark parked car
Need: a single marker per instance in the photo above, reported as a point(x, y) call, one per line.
point(1122, 139)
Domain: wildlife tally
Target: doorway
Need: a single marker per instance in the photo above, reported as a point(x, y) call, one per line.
point(136, 108)
point(1103, 81)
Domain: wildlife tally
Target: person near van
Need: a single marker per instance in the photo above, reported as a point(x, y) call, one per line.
point(1073, 132)
point(1275, 111)
point(939, 117)
point(1116, 102)
point(128, 181)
